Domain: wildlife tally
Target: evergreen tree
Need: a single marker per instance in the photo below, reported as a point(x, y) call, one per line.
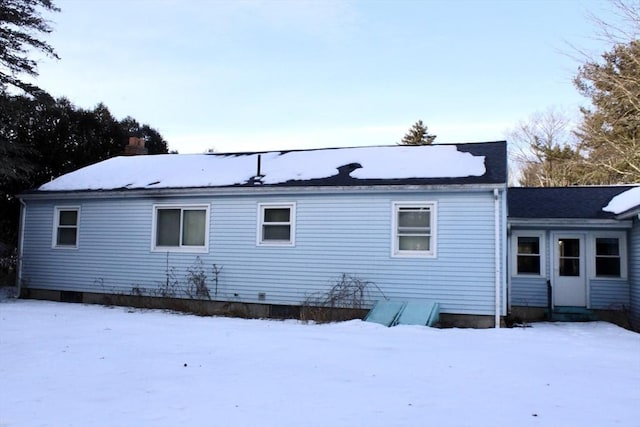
point(20, 24)
point(610, 130)
point(417, 135)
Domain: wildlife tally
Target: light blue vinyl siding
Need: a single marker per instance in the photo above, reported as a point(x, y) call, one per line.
point(529, 291)
point(335, 234)
point(634, 272)
point(608, 294)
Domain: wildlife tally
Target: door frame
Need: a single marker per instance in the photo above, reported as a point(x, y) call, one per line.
point(554, 255)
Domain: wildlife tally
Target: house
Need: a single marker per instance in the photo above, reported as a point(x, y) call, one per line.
point(574, 248)
point(264, 234)
point(261, 233)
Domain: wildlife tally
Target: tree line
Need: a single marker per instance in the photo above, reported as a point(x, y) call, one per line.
point(604, 146)
point(42, 137)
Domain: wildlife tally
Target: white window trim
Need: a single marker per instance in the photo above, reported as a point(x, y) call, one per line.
point(591, 253)
point(433, 242)
point(194, 249)
point(56, 224)
point(292, 220)
point(514, 252)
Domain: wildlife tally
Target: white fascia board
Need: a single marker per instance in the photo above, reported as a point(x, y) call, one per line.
point(256, 190)
point(544, 223)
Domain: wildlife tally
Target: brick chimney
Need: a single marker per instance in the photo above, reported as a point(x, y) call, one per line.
point(136, 147)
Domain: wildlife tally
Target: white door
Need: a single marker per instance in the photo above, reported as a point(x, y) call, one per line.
point(570, 282)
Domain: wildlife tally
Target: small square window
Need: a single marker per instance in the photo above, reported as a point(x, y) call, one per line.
point(66, 222)
point(413, 229)
point(276, 224)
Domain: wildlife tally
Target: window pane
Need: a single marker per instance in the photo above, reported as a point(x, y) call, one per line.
point(529, 245)
point(528, 264)
point(569, 247)
point(168, 227)
point(414, 243)
point(193, 227)
point(67, 236)
point(569, 267)
point(69, 217)
point(608, 266)
point(608, 246)
point(410, 217)
point(276, 232)
point(277, 214)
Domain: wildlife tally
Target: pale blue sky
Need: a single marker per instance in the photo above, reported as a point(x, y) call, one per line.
point(268, 75)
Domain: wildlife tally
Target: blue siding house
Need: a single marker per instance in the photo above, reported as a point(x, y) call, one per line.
point(264, 232)
point(568, 249)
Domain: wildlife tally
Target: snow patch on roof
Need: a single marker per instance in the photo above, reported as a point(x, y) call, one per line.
point(624, 201)
point(214, 170)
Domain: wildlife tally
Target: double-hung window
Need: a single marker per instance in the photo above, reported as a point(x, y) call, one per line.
point(66, 221)
point(609, 260)
point(181, 228)
point(528, 250)
point(414, 229)
point(276, 224)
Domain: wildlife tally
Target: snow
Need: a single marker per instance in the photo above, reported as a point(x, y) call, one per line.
point(79, 365)
point(206, 170)
point(624, 201)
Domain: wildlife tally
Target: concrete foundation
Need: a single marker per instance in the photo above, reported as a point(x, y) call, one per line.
point(239, 309)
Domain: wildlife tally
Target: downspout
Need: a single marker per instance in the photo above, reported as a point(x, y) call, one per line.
point(497, 239)
point(23, 214)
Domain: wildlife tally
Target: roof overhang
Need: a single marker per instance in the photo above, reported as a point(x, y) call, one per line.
point(630, 213)
point(254, 190)
point(572, 223)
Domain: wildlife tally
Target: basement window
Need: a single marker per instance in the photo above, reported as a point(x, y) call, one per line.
point(66, 220)
point(181, 228)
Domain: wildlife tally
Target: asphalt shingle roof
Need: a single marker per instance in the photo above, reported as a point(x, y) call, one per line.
point(562, 202)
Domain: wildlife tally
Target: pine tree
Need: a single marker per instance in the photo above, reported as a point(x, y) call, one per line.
point(610, 130)
point(417, 135)
point(20, 23)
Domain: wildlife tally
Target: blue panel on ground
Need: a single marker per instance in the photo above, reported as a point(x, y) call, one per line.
point(419, 313)
point(385, 312)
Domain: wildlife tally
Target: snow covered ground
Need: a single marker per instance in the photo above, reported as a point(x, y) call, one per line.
point(78, 365)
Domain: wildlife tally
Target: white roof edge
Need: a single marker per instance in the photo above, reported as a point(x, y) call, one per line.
point(568, 222)
point(248, 190)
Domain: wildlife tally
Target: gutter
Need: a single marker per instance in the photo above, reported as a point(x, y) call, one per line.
point(497, 239)
point(23, 214)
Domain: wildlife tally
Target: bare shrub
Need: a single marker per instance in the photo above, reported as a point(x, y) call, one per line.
point(197, 281)
point(346, 299)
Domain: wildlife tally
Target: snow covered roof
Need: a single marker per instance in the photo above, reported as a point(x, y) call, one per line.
point(624, 202)
point(434, 164)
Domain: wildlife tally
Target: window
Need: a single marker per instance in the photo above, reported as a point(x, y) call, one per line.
point(66, 220)
point(528, 253)
point(413, 229)
point(181, 227)
point(608, 261)
point(276, 225)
